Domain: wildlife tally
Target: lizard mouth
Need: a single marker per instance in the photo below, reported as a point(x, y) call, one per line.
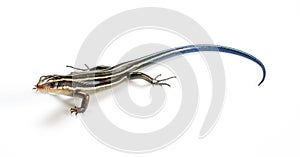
point(36, 87)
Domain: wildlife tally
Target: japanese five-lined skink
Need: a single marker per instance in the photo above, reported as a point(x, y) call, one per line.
point(77, 84)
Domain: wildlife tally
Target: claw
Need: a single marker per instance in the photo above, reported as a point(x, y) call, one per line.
point(155, 78)
point(74, 110)
point(155, 81)
point(77, 110)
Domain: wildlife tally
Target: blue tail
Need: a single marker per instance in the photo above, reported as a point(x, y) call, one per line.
point(162, 55)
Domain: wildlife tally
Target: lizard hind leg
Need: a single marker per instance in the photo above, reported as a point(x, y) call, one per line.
point(153, 81)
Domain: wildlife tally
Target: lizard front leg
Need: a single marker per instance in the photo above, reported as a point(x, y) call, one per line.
point(84, 103)
point(100, 67)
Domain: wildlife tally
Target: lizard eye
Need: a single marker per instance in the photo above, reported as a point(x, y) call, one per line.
point(52, 84)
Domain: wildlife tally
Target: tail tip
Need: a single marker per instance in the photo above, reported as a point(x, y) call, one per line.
point(261, 82)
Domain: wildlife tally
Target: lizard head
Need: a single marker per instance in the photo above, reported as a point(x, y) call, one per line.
point(52, 84)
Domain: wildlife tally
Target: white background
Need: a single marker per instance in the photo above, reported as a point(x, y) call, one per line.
point(39, 38)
